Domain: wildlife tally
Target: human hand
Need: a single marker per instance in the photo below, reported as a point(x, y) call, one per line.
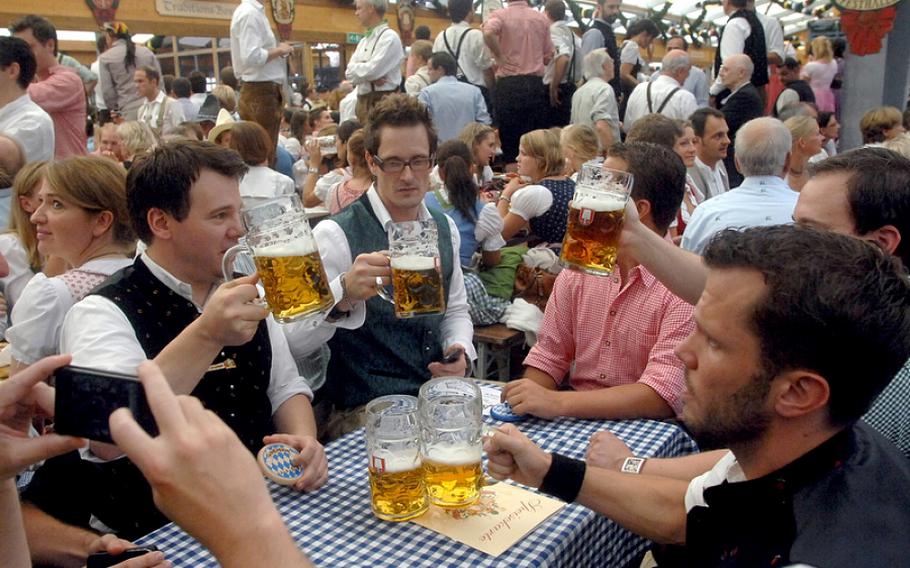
point(554, 95)
point(455, 369)
point(632, 227)
point(311, 459)
point(515, 183)
point(527, 397)
point(285, 49)
point(231, 317)
point(607, 451)
point(313, 151)
point(20, 397)
point(360, 280)
point(116, 546)
point(511, 455)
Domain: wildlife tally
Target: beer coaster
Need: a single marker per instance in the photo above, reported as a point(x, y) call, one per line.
point(276, 463)
point(504, 413)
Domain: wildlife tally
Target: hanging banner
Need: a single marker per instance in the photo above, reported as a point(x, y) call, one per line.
point(283, 14)
point(103, 10)
point(866, 23)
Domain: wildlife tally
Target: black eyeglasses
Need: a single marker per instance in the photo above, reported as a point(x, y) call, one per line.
point(419, 164)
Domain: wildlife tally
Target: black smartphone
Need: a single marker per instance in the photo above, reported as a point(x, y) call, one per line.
point(86, 398)
point(453, 356)
point(103, 559)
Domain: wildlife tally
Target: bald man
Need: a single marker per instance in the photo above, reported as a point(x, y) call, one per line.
point(739, 107)
point(665, 95)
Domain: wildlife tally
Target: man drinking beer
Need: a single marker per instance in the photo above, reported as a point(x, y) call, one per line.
point(612, 337)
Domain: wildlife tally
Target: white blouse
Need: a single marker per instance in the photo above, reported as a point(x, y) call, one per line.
point(531, 201)
point(262, 183)
point(13, 284)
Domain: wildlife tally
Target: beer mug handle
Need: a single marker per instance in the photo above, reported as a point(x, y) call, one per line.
point(382, 292)
point(227, 261)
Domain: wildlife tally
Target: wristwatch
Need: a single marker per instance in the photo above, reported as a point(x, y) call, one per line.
point(632, 465)
point(312, 170)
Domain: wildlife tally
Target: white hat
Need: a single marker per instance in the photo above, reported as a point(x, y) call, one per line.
point(224, 123)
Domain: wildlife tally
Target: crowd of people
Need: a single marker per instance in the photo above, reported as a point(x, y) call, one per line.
point(760, 295)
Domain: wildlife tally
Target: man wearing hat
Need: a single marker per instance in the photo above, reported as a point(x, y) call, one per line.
point(795, 89)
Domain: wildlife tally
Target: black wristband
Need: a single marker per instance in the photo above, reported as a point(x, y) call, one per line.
point(564, 478)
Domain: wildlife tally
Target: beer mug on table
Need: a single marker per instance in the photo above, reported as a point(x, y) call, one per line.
point(595, 220)
point(451, 426)
point(285, 255)
point(417, 288)
point(397, 488)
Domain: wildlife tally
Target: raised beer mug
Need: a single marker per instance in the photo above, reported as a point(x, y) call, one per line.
point(397, 488)
point(451, 429)
point(416, 275)
point(287, 260)
point(595, 220)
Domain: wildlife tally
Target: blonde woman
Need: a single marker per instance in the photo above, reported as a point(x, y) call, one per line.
point(820, 72)
point(481, 139)
point(136, 139)
point(807, 142)
point(227, 98)
point(881, 124)
point(580, 145)
point(82, 218)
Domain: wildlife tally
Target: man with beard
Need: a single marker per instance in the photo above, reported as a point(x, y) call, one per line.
point(773, 375)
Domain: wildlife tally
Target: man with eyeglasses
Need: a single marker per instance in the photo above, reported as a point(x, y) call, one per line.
point(373, 352)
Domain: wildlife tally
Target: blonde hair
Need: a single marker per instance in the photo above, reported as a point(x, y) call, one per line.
point(876, 121)
point(583, 140)
point(543, 145)
point(822, 49)
point(226, 96)
point(95, 184)
point(801, 126)
point(25, 185)
point(472, 134)
point(136, 138)
point(899, 144)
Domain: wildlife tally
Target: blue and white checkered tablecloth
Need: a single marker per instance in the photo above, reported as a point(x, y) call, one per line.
point(337, 529)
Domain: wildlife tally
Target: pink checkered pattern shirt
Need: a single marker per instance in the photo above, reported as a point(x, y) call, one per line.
point(603, 333)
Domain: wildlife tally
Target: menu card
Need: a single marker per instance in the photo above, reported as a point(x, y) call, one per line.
point(502, 516)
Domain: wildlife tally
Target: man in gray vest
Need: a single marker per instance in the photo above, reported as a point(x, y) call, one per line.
point(374, 353)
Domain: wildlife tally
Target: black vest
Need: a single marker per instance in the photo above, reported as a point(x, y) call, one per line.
point(755, 47)
point(610, 44)
point(802, 88)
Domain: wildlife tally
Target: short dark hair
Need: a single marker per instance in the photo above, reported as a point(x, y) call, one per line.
point(42, 29)
point(182, 87)
point(459, 9)
point(790, 63)
point(168, 81)
point(824, 117)
point(163, 178)
point(659, 176)
point(251, 141)
point(834, 304)
point(422, 32)
point(642, 25)
point(397, 110)
point(878, 190)
point(151, 73)
point(197, 81)
point(681, 38)
point(556, 9)
point(347, 128)
point(16, 50)
point(445, 61)
point(699, 119)
point(656, 129)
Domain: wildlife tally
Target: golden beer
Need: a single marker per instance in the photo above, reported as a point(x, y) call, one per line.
point(397, 488)
point(453, 475)
point(417, 286)
point(592, 233)
point(295, 284)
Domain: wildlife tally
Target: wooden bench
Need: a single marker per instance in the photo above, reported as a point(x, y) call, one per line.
point(494, 347)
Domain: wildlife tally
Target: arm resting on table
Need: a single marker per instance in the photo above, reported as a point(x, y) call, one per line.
point(621, 402)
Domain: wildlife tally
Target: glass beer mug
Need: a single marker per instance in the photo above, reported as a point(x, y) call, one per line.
point(417, 288)
point(287, 260)
point(595, 220)
point(393, 449)
point(451, 426)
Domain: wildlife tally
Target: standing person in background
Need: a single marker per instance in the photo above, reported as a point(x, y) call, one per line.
point(182, 91)
point(375, 67)
point(451, 103)
point(740, 106)
point(466, 45)
point(564, 70)
point(600, 35)
point(594, 103)
point(198, 86)
point(639, 36)
point(742, 34)
point(96, 97)
point(795, 90)
point(20, 118)
point(160, 112)
point(258, 61)
point(58, 90)
point(696, 82)
point(665, 95)
point(820, 72)
point(116, 66)
point(830, 129)
point(421, 50)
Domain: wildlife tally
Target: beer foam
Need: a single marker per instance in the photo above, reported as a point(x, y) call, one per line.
point(454, 455)
point(598, 203)
point(414, 262)
point(399, 461)
point(285, 249)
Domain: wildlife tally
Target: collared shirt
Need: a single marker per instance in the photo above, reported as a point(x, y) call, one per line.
point(681, 105)
point(100, 336)
point(474, 57)
point(603, 333)
point(757, 202)
point(736, 32)
point(336, 257)
point(774, 34)
point(62, 96)
point(417, 82)
point(32, 127)
point(890, 413)
point(116, 78)
point(376, 63)
point(696, 83)
point(566, 44)
point(251, 39)
point(261, 183)
point(189, 108)
point(593, 101)
point(524, 39)
point(710, 181)
point(453, 105)
point(150, 113)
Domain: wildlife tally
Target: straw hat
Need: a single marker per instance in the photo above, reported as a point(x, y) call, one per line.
point(224, 123)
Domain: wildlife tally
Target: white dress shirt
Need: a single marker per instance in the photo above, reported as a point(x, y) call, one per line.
point(98, 92)
point(251, 39)
point(474, 57)
point(333, 245)
point(376, 63)
point(261, 183)
point(696, 83)
point(100, 336)
point(680, 106)
point(347, 107)
point(565, 43)
point(30, 126)
point(711, 181)
point(757, 202)
point(150, 111)
point(593, 101)
point(774, 34)
point(13, 284)
point(736, 32)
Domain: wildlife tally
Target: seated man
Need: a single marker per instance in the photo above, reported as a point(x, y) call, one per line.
point(773, 375)
point(208, 339)
point(613, 337)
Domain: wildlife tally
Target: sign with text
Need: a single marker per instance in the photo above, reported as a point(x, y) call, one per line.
point(196, 9)
point(353, 38)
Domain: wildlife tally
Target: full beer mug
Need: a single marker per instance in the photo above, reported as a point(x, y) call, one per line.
point(416, 276)
point(393, 450)
point(287, 260)
point(451, 426)
point(595, 220)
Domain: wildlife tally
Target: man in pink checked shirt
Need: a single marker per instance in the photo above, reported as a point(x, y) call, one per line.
point(612, 338)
